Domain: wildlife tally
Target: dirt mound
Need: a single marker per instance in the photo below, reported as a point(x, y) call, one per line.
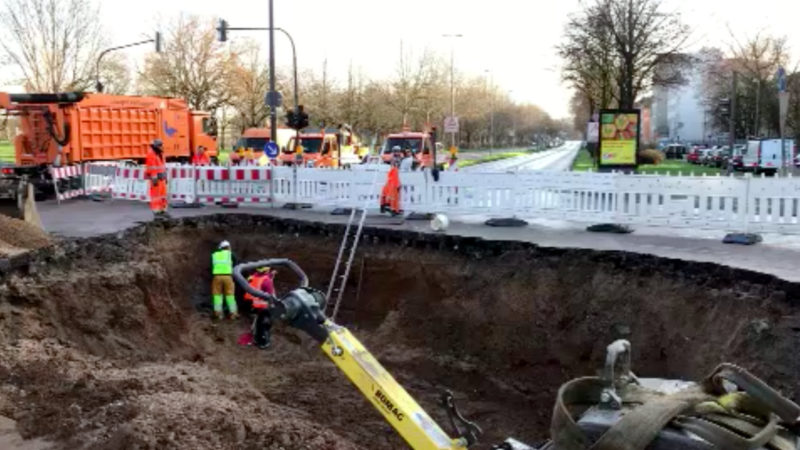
point(104, 342)
point(17, 236)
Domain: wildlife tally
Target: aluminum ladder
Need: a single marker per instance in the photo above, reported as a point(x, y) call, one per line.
point(346, 249)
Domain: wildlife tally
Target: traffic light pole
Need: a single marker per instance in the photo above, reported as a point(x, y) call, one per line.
point(98, 85)
point(273, 114)
point(732, 137)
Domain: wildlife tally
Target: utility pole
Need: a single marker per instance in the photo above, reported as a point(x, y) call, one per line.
point(273, 114)
point(732, 136)
point(452, 82)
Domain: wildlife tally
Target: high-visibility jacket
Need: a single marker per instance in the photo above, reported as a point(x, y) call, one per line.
point(255, 280)
point(201, 160)
point(222, 262)
point(154, 165)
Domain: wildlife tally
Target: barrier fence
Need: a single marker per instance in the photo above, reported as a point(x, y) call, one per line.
point(753, 204)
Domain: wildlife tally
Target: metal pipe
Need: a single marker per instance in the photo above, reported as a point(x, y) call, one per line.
point(98, 85)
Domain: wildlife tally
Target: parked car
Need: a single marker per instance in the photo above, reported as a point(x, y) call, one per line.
point(694, 156)
point(736, 160)
point(675, 151)
point(721, 157)
point(707, 155)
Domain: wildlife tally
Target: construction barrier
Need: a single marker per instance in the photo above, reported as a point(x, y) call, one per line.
point(67, 181)
point(98, 177)
point(752, 204)
point(130, 184)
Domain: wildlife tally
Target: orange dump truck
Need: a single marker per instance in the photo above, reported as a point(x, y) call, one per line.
point(418, 142)
point(75, 127)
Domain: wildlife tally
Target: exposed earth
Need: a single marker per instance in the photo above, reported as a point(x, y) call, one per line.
point(105, 342)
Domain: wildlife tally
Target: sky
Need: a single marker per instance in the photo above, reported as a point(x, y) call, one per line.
point(514, 40)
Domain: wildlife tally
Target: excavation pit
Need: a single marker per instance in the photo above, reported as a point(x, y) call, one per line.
point(106, 342)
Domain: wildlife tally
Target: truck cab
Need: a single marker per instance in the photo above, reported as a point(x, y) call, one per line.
point(319, 150)
point(418, 142)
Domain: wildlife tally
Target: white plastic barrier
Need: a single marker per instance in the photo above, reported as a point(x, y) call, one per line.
point(98, 177)
point(130, 184)
point(726, 203)
point(67, 181)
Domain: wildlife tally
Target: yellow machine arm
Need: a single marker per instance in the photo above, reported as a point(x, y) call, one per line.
point(302, 308)
point(387, 396)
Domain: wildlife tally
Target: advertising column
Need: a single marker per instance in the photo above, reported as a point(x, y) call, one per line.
point(619, 139)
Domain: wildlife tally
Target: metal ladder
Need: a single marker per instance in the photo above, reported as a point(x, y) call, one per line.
point(349, 242)
point(349, 246)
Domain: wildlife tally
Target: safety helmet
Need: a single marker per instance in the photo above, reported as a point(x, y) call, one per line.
point(157, 143)
point(264, 269)
point(396, 148)
point(224, 244)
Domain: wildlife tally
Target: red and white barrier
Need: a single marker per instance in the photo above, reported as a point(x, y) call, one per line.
point(98, 177)
point(68, 181)
point(233, 184)
point(130, 184)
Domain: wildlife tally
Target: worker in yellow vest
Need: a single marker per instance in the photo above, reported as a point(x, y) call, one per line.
point(222, 281)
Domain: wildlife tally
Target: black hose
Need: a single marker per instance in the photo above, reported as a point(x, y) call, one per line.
point(48, 117)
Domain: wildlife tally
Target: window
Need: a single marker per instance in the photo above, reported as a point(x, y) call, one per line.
point(210, 126)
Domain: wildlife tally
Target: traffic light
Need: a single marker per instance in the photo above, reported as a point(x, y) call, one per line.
point(302, 118)
point(159, 42)
point(222, 30)
point(291, 120)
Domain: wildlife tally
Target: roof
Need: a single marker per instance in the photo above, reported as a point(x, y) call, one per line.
point(408, 134)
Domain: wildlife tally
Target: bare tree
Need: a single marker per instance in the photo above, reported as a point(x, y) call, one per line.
point(590, 59)
point(249, 81)
point(53, 43)
point(193, 65)
point(635, 41)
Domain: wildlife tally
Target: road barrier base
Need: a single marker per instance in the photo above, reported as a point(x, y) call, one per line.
point(342, 211)
point(506, 222)
point(742, 238)
point(610, 228)
point(297, 206)
point(420, 216)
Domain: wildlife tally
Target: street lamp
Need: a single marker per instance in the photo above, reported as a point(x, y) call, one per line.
point(222, 36)
point(452, 83)
point(491, 111)
point(157, 40)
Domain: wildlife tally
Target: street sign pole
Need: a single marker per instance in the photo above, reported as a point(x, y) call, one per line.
point(783, 106)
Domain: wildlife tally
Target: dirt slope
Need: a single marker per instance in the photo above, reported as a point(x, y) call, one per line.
point(104, 342)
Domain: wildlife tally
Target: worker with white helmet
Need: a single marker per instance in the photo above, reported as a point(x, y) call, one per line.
point(222, 281)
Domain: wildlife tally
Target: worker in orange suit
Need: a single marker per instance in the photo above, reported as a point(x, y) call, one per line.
point(156, 173)
point(200, 157)
point(390, 196)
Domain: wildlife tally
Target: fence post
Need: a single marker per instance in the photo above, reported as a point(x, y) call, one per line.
point(746, 209)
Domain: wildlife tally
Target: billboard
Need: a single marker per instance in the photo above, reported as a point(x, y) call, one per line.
point(619, 138)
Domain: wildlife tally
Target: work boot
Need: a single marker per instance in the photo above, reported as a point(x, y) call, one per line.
point(234, 316)
point(217, 315)
point(265, 342)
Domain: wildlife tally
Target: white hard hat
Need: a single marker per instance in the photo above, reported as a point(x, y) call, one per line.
point(396, 148)
point(224, 244)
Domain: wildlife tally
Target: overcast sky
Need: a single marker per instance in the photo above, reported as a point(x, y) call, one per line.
point(515, 39)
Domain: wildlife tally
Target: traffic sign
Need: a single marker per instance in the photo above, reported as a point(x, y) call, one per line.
point(781, 77)
point(274, 99)
point(271, 149)
point(451, 124)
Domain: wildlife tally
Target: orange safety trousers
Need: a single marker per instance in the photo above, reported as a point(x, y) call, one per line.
point(155, 169)
point(390, 196)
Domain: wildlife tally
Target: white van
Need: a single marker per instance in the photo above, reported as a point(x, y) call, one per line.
point(766, 156)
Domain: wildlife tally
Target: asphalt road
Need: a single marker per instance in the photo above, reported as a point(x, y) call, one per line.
point(777, 255)
point(557, 159)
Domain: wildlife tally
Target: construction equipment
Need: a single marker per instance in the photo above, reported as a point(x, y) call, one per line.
point(730, 410)
point(63, 129)
point(303, 308)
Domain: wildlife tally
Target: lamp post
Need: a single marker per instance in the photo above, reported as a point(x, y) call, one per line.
point(157, 40)
point(452, 81)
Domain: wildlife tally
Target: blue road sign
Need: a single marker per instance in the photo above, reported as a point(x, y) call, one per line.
point(271, 149)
